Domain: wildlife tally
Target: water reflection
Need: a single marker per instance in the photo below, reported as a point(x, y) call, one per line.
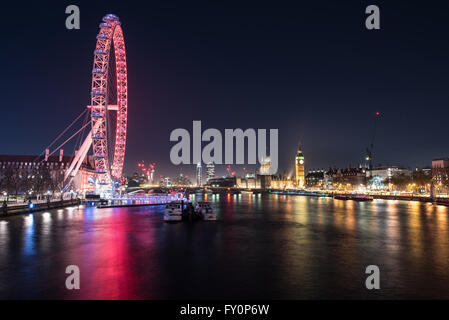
point(28, 235)
point(263, 246)
point(4, 231)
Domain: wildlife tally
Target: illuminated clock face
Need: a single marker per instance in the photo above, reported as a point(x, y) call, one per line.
point(301, 161)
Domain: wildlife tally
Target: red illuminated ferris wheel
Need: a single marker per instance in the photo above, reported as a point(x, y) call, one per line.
point(108, 107)
point(109, 93)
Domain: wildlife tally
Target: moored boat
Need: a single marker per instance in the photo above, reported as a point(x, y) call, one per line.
point(205, 210)
point(341, 197)
point(173, 212)
point(362, 197)
point(354, 197)
point(442, 202)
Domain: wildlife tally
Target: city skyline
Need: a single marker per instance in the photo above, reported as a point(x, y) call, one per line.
point(324, 88)
point(222, 170)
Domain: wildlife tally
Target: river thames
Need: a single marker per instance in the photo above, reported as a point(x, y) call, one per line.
point(262, 247)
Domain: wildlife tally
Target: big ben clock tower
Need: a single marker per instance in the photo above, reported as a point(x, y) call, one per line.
point(299, 165)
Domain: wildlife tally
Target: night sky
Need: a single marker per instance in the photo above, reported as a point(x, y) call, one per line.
point(308, 68)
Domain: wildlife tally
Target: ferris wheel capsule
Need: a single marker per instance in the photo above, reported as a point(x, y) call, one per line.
point(98, 92)
point(100, 52)
point(102, 36)
point(98, 70)
point(110, 17)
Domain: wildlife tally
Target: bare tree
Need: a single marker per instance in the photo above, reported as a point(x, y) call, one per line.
point(400, 181)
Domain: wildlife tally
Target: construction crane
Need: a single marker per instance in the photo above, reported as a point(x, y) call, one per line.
point(369, 150)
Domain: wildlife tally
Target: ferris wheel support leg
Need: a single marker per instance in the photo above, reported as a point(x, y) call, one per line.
point(79, 158)
point(84, 150)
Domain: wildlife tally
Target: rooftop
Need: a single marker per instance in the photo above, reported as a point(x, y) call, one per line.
point(31, 158)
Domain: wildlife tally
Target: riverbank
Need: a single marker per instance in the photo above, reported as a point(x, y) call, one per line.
point(438, 200)
point(36, 207)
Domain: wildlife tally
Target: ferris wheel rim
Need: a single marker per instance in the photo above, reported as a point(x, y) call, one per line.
point(110, 36)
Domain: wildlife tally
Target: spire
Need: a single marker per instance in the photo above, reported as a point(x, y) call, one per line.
point(299, 166)
point(299, 152)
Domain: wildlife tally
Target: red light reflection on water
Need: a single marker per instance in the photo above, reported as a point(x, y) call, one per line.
point(110, 262)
